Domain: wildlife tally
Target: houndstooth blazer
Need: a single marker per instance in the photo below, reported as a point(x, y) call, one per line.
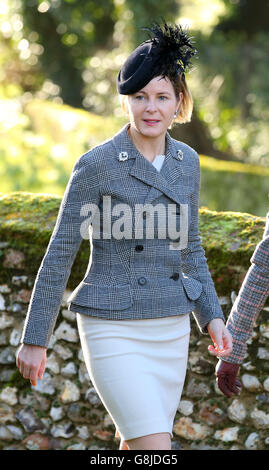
point(131, 277)
point(251, 298)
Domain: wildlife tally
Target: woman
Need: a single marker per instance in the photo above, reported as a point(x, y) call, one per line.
point(134, 301)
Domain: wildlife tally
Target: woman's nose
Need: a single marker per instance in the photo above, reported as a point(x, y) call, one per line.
point(151, 105)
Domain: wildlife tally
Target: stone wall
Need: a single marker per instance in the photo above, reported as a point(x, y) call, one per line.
point(64, 411)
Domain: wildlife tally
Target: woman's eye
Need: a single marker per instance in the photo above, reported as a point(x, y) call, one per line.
point(162, 97)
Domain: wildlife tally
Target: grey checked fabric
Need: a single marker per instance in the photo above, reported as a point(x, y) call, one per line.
point(132, 277)
point(250, 300)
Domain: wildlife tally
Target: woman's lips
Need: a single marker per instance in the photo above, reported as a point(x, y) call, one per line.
point(151, 122)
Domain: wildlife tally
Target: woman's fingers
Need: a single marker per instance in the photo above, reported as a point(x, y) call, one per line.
point(33, 376)
point(26, 371)
point(21, 368)
point(225, 352)
point(42, 368)
point(216, 351)
point(17, 361)
point(218, 343)
point(220, 335)
point(215, 329)
point(222, 340)
point(212, 350)
point(29, 372)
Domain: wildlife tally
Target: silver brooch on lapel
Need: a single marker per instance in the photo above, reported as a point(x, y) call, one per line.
point(179, 154)
point(123, 156)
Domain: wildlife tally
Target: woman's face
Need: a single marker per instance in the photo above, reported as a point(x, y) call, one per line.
point(151, 109)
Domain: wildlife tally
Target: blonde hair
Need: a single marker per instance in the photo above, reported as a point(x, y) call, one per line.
point(123, 99)
point(186, 107)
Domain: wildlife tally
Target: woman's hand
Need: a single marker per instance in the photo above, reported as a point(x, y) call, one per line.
point(221, 337)
point(31, 362)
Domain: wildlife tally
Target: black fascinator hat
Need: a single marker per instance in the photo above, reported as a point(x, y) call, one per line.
point(168, 53)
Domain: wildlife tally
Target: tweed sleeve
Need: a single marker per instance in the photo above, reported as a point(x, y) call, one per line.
point(52, 276)
point(194, 263)
point(251, 298)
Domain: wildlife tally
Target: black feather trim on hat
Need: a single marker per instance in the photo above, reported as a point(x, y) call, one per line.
point(168, 53)
point(173, 47)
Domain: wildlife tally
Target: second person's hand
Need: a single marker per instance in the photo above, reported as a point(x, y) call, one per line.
point(227, 379)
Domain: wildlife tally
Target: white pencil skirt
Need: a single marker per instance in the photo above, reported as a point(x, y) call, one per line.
point(138, 369)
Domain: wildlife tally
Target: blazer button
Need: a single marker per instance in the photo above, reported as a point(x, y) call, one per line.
point(175, 276)
point(142, 281)
point(139, 248)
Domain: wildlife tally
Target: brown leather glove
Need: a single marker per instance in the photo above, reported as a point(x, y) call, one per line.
point(227, 380)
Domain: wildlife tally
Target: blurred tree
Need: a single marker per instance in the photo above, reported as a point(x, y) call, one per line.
point(247, 19)
point(245, 16)
point(69, 31)
point(230, 86)
point(144, 13)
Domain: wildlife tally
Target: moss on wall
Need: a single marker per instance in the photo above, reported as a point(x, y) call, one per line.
point(26, 224)
point(229, 240)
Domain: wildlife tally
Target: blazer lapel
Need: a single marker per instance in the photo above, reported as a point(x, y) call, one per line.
point(167, 181)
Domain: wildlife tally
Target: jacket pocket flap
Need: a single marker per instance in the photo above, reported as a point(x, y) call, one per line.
point(192, 286)
point(110, 297)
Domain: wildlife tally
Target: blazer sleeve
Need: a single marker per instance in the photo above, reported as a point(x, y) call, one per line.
point(194, 263)
point(250, 300)
point(46, 297)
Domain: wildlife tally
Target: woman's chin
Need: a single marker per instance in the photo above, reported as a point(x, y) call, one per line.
point(151, 130)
